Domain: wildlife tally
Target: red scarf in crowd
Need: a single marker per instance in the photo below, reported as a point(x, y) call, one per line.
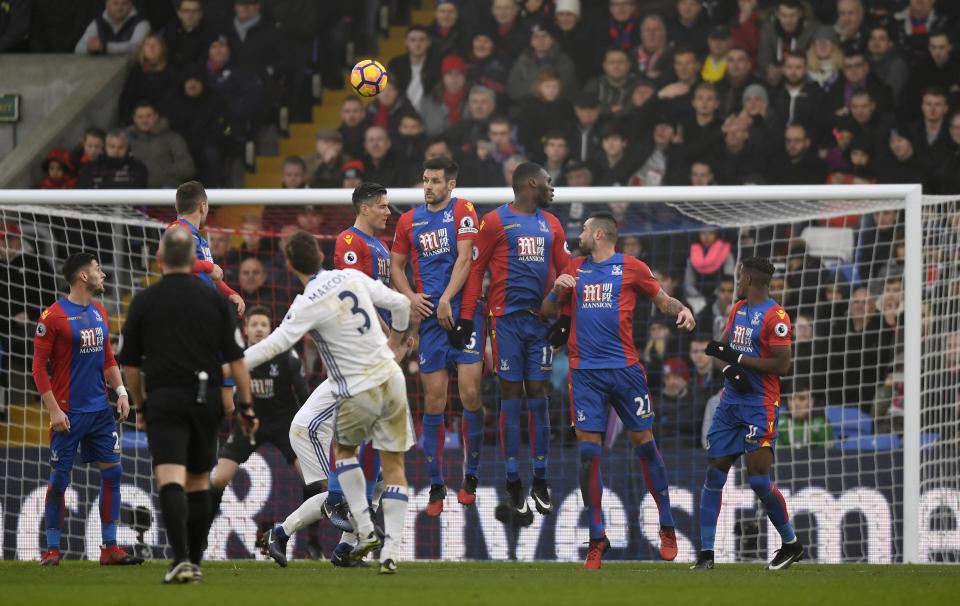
point(711, 261)
point(453, 101)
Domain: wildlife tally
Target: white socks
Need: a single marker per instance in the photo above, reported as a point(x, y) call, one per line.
point(309, 512)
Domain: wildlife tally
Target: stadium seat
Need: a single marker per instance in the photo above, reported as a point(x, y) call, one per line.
point(883, 441)
point(849, 421)
point(830, 243)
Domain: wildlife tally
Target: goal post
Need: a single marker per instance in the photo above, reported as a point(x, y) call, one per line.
point(760, 218)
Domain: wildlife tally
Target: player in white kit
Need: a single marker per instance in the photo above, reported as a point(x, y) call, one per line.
point(338, 309)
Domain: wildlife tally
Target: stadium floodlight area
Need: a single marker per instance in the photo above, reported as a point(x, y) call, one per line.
point(870, 469)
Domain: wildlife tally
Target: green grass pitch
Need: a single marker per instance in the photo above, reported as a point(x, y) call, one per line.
point(77, 583)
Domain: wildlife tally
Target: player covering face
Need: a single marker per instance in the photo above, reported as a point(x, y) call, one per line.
point(439, 238)
point(598, 293)
point(756, 350)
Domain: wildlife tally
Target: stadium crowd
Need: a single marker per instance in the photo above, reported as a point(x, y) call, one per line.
point(602, 92)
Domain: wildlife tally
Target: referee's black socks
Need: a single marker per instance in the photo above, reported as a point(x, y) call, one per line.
point(198, 523)
point(173, 504)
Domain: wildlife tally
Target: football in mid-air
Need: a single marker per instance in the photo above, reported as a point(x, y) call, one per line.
point(368, 78)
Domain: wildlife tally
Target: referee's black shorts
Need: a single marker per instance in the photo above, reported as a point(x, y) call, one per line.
point(238, 447)
point(182, 432)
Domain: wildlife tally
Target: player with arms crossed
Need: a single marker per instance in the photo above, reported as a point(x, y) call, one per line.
point(73, 335)
point(438, 238)
point(756, 350)
point(358, 247)
point(339, 308)
point(600, 293)
point(523, 246)
point(278, 388)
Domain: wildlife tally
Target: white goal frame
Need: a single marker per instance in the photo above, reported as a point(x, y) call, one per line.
point(913, 273)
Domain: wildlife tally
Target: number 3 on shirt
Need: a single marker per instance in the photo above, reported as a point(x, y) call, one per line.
point(356, 309)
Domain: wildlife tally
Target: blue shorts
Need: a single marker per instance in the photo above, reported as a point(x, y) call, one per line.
point(593, 390)
point(520, 348)
point(436, 353)
point(96, 435)
point(738, 428)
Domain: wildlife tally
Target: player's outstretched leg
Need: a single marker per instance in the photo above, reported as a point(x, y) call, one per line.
point(275, 541)
point(434, 436)
point(655, 478)
point(112, 554)
point(591, 490)
point(776, 508)
point(471, 426)
point(710, 498)
point(53, 516)
point(539, 427)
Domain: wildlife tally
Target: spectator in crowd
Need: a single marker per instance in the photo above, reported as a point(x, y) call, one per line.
point(474, 124)
point(254, 288)
point(859, 349)
point(613, 87)
point(386, 109)
point(222, 249)
point(706, 379)
point(824, 57)
point(509, 166)
point(14, 25)
point(745, 30)
point(686, 69)
point(116, 169)
point(680, 411)
point(59, 172)
point(484, 67)
point(119, 30)
point(714, 317)
point(323, 166)
point(868, 120)
point(617, 163)
point(802, 425)
point(437, 147)
point(56, 25)
point(644, 107)
point(382, 164)
point(543, 53)
point(188, 37)
point(150, 79)
point(914, 25)
point(200, 116)
point(556, 152)
point(446, 30)
point(789, 31)
point(710, 259)
point(859, 167)
point(255, 40)
point(760, 119)
point(508, 33)
point(658, 160)
point(239, 88)
point(740, 160)
point(797, 99)
point(653, 57)
point(585, 141)
point(293, 173)
point(444, 106)
point(621, 29)
point(27, 284)
point(545, 110)
point(810, 351)
point(90, 148)
point(574, 37)
point(353, 125)
point(886, 62)
point(701, 174)
point(938, 68)
point(417, 71)
point(689, 26)
point(410, 141)
point(715, 63)
point(352, 175)
point(856, 76)
point(162, 151)
point(947, 179)
point(850, 26)
point(738, 77)
point(701, 130)
point(901, 163)
point(655, 351)
point(255, 242)
point(502, 136)
point(799, 164)
point(930, 133)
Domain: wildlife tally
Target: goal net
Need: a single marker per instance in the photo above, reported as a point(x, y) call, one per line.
point(867, 455)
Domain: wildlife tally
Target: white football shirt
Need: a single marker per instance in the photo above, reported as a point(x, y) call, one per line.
point(339, 310)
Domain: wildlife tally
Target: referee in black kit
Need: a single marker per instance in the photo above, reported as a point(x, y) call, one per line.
point(180, 331)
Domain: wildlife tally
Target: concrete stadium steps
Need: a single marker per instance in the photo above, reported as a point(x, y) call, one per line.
point(27, 425)
point(326, 115)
